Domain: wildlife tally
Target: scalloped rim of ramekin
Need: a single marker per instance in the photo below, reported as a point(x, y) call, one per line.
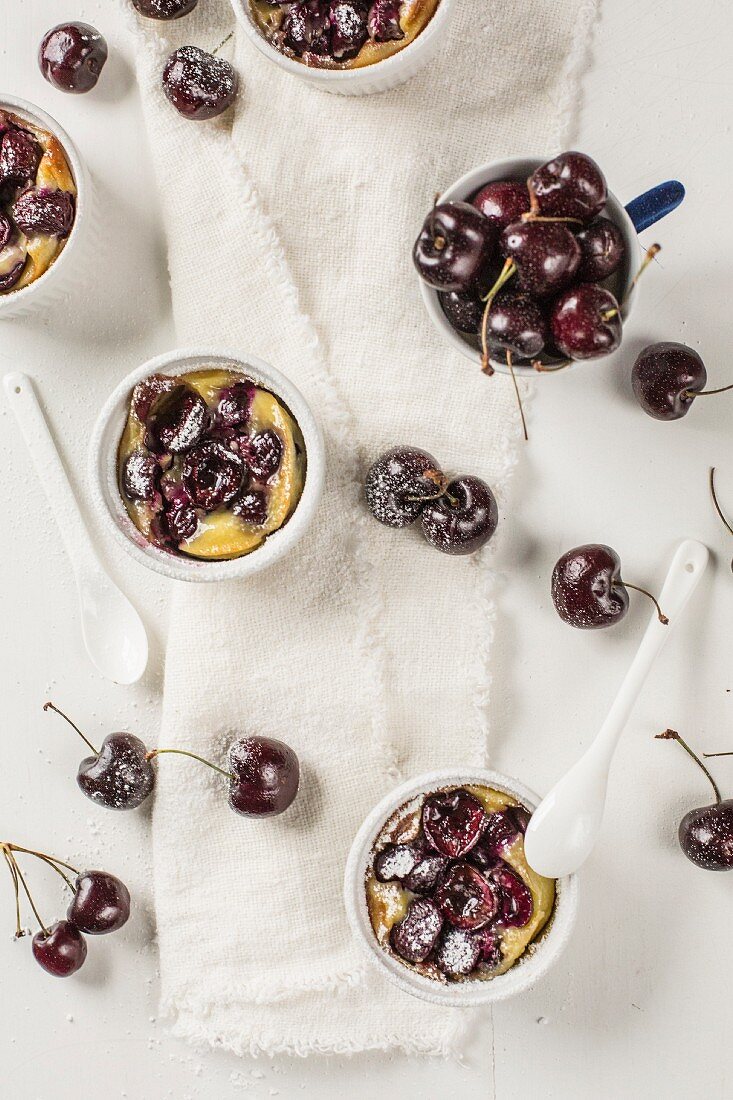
point(18, 299)
point(381, 76)
point(539, 957)
point(517, 168)
point(103, 467)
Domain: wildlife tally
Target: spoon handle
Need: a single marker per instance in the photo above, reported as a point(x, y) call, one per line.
point(563, 829)
point(49, 467)
point(685, 571)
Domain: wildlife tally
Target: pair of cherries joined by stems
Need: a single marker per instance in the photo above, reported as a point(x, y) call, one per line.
point(100, 904)
point(263, 778)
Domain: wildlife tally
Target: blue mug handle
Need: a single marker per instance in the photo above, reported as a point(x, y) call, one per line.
point(655, 204)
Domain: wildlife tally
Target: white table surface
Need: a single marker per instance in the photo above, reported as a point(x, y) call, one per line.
point(642, 1005)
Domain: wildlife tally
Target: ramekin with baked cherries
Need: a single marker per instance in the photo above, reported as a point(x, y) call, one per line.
point(207, 463)
point(440, 893)
point(38, 195)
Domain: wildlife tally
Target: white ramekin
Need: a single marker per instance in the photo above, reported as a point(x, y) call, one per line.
point(520, 168)
point(538, 958)
point(103, 468)
point(61, 276)
point(380, 77)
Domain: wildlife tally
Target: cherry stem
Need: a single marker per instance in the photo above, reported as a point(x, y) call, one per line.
point(608, 314)
point(508, 270)
point(183, 752)
point(56, 864)
point(221, 44)
point(714, 495)
point(542, 368)
point(53, 707)
point(651, 252)
point(706, 393)
point(440, 481)
point(530, 217)
point(510, 364)
point(661, 616)
point(17, 871)
point(710, 755)
point(14, 876)
point(672, 735)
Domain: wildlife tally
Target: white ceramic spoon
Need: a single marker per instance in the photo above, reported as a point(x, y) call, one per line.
point(565, 826)
point(113, 632)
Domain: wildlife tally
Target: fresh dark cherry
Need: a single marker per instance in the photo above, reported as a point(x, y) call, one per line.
point(458, 952)
point(48, 212)
point(516, 904)
point(399, 483)
point(118, 776)
point(212, 474)
point(415, 936)
point(502, 202)
point(570, 185)
point(140, 476)
point(452, 822)
point(177, 420)
point(665, 379)
point(603, 250)
point(198, 84)
point(454, 246)
point(349, 32)
point(383, 21)
point(586, 322)
point(546, 254)
point(587, 589)
point(264, 454)
point(464, 310)
point(706, 834)
point(234, 405)
point(251, 506)
point(164, 9)
point(266, 776)
point(465, 898)
point(71, 57)
point(61, 951)
point(517, 324)
point(101, 903)
point(20, 155)
point(463, 519)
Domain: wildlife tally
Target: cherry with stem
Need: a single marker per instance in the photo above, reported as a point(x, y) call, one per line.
point(706, 833)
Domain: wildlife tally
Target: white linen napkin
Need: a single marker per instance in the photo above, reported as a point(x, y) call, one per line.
point(365, 650)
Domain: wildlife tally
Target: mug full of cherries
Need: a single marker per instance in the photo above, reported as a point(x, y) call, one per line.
point(532, 264)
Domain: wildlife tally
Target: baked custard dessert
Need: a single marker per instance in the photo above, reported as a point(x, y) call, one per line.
point(37, 201)
point(449, 891)
point(209, 463)
point(341, 34)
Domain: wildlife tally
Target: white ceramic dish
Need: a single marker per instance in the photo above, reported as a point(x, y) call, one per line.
point(380, 77)
point(103, 468)
point(538, 958)
point(520, 168)
point(61, 275)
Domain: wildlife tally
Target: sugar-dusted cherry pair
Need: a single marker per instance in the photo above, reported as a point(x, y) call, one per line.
point(100, 904)
point(456, 516)
point(263, 774)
